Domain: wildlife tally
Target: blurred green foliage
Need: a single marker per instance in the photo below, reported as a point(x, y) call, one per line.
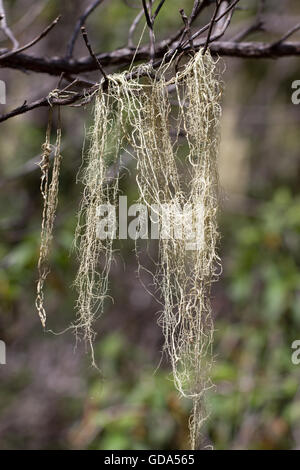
point(132, 404)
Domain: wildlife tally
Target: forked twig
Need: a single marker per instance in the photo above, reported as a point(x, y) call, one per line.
point(150, 18)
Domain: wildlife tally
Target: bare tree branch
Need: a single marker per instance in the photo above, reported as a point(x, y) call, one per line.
point(71, 69)
point(47, 101)
point(252, 28)
point(286, 36)
point(124, 56)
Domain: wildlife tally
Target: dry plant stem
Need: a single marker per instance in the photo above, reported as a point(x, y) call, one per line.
point(49, 190)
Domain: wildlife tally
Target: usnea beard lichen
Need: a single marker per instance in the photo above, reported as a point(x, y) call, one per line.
point(100, 189)
point(134, 114)
point(49, 190)
point(185, 271)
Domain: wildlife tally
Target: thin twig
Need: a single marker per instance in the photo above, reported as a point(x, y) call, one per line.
point(218, 3)
point(33, 42)
point(89, 47)
point(252, 28)
point(287, 35)
point(222, 26)
point(206, 27)
point(261, 8)
point(160, 5)
point(257, 25)
point(45, 102)
point(81, 21)
point(147, 15)
point(32, 13)
point(187, 29)
point(198, 7)
point(150, 23)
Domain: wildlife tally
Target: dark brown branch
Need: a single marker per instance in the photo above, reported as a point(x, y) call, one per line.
point(211, 25)
point(70, 69)
point(159, 7)
point(150, 19)
point(46, 102)
point(147, 15)
point(150, 23)
point(124, 56)
point(254, 50)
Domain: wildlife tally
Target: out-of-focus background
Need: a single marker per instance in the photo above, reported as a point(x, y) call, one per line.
point(50, 396)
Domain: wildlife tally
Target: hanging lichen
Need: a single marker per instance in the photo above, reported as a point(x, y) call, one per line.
point(49, 190)
point(186, 268)
point(100, 190)
point(133, 113)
